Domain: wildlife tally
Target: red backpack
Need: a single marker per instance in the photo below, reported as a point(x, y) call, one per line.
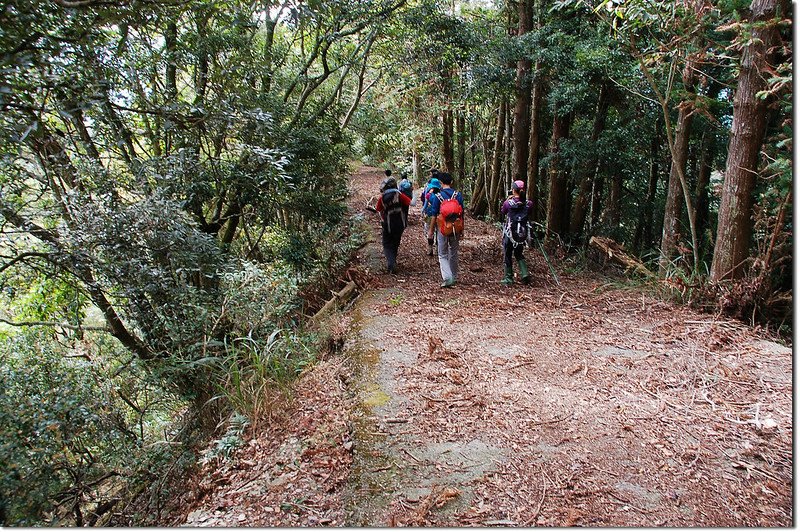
point(451, 215)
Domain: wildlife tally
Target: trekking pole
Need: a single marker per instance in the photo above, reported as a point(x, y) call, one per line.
point(546, 259)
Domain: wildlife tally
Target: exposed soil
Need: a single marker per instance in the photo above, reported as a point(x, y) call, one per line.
point(582, 403)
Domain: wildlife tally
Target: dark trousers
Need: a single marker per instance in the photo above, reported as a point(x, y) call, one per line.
point(509, 250)
point(391, 243)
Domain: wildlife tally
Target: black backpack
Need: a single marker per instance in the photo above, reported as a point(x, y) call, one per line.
point(395, 217)
point(517, 225)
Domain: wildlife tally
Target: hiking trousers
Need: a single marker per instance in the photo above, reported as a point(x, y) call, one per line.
point(448, 255)
point(510, 251)
point(391, 243)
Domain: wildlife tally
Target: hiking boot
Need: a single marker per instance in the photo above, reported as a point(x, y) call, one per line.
point(449, 283)
point(430, 251)
point(508, 280)
point(523, 271)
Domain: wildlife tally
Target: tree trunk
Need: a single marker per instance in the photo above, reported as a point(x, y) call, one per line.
point(461, 171)
point(557, 198)
point(522, 105)
point(734, 227)
point(507, 152)
point(707, 154)
point(447, 141)
point(416, 165)
point(590, 169)
point(644, 229)
point(533, 141)
point(672, 210)
point(614, 205)
point(703, 180)
point(497, 156)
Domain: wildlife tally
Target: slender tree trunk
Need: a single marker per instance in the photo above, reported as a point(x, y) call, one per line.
point(590, 169)
point(447, 141)
point(507, 150)
point(672, 210)
point(734, 227)
point(171, 72)
point(522, 105)
point(644, 228)
point(557, 198)
point(497, 156)
point(533, 141)
point(416, 165)
point(461, 135)
point(201, 71)
point(703, 180)
point(473, 149)
point(614, 206)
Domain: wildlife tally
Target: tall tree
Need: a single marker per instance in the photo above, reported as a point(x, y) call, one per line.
point(522, 93)
point(676, 193)
point(557, 200)
point(734, 227)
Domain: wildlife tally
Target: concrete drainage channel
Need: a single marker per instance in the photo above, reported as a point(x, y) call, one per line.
point(395, 474)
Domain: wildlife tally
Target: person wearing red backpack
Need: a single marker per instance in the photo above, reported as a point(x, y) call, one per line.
point(447, 211)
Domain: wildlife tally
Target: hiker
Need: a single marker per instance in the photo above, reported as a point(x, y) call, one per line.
point(447, 210)
point(515, 232)
point(433, 185)
point(406, 189)
point(393, 207)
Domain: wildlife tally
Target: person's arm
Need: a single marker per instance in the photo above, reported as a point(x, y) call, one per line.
point(379, 205)
point(434, 213)
point(431, 227)
point(504, 208)
point(405, 200)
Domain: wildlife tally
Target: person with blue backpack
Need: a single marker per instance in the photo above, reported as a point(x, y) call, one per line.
point(393, 207)
point(446, 208)
point(515, 233)
point(432, 187)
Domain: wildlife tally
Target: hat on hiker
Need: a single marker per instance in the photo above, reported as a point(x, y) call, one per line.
point(518, 185)
point(434, 183)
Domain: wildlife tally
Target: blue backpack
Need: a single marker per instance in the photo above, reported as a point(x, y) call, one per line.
point(406, 188)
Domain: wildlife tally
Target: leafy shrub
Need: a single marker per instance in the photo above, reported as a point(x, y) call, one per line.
point(69, 429)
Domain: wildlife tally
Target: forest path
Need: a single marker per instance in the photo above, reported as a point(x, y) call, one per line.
point(579, 404)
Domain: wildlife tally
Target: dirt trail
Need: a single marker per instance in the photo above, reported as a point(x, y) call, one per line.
point(583, 404)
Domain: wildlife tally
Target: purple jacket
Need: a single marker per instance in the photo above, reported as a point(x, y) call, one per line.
point(511, 203)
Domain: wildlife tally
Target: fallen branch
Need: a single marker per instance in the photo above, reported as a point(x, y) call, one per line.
point(343, 295)
point(616, 253)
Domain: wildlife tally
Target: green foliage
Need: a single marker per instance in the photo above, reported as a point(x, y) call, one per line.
point(224, 447)
point(66, 434)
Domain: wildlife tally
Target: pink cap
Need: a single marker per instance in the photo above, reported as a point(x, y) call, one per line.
point(518, 185)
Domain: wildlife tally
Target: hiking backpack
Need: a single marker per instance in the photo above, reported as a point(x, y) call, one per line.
point(451, 215)
point(516, 228)
point(406, 188)
point(395, 218)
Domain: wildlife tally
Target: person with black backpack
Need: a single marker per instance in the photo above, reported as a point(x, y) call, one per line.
point(393, 207)
point(515, 232)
